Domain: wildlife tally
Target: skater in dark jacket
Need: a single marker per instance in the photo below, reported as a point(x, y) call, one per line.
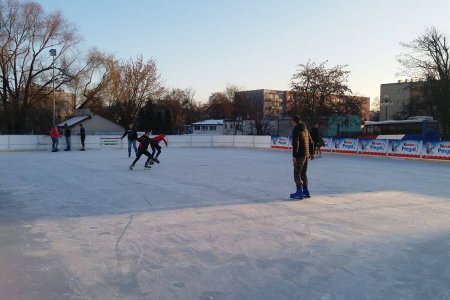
point(67, 135)
point(317, 140)
point(132, 137)
point(82, 136)
point(154, 143)
point(144, 141)
point(302, 149)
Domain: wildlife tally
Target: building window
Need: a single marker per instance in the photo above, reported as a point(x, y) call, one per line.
point(196, 127)
point(212, 128)
point(205, 128)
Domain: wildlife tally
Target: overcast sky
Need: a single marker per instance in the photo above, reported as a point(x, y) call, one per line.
point(256, 44)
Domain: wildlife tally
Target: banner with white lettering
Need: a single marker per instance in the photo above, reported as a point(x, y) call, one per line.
point(373, 147)
point(281, 142)
point(345, 145)
point(409, 149)
point(436, 150)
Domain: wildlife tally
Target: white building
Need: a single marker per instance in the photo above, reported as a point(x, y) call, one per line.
point(208, 127)
point(93, 123)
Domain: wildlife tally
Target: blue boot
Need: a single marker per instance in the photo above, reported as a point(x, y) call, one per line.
point(306, 193)
point(298, 194)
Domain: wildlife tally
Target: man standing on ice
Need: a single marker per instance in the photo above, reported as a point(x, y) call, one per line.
point(302, 149)
point(132, 137)
point(144, 141)
point(67, 132)
point(154, 143)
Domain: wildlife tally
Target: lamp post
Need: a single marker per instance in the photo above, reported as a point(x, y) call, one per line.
point(53, 54)
point(386, 102)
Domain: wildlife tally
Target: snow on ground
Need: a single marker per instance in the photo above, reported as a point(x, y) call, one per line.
point(216, 224)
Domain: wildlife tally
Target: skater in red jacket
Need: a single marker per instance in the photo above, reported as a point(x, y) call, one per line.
point(154, 143)
point(54, 134)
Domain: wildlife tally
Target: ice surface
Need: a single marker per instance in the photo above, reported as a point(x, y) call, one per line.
point(216, 224)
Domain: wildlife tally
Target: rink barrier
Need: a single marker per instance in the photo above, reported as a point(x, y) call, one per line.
point(438, 150)
point(43, 142)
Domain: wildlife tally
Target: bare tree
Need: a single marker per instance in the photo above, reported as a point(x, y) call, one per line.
point(132, 84)
point(27, 34)
point(319, 91)
point(219, 106)
point(91, 85)
point(428, 57)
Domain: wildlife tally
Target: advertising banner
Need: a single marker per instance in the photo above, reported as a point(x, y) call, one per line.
point(344, 145)
point(327, 144)
point(410, 149)
point(436, 150)
point(373, 147)
point(110, 142)
point(281, 142)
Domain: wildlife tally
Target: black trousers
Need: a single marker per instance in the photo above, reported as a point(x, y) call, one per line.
point(155, 148)
point(143, 152)
point(82, 140)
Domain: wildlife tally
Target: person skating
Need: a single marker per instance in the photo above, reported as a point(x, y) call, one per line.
point(67, 133)
point(144, 141)
point(317, 141)
point(302, 149)
point(54, 134)
point(132, 137)
point(154, 143)
point(82, 136)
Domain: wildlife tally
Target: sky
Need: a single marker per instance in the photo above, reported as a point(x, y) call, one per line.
point(205, 45)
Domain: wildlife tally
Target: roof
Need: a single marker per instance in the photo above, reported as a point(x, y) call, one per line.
point(209, 122)
point(74, 121)
point(398, 121)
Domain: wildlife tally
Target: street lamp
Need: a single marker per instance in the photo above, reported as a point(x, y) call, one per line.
point(386, 102)
point(53, 54)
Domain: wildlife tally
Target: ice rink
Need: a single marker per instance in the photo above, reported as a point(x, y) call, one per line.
point(216, 224)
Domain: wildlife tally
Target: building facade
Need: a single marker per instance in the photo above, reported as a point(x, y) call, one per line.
point(401, 100)
point(264, 103)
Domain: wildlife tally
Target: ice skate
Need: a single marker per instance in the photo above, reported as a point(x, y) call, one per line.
point(156, 160)
point(131, 167)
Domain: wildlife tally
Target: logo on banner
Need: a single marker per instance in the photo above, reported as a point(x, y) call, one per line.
point(377, 146)
point(283, 141)
point(348, 145)
point(409, 147)
point(444, 149)
point(326, 143)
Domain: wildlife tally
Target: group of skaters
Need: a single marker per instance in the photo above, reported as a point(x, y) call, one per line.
point(304, 146)
point(55, 135)
point(144, 142)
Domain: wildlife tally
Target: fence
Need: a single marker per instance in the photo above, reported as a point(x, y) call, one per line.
point(438, 150)
point(43, 142)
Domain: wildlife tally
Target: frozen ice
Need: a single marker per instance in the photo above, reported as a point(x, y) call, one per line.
point(218, 224)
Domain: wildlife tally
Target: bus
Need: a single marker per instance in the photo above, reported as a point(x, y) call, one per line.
point(414, 128)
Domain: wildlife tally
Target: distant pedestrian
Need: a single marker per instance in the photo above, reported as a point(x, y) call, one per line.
point(144, 141)
point(82, 136)
point(318, 142)
point(54, 134)
point(154, 143)
point(132, 137)
point(302, 149)
point(67, 135)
